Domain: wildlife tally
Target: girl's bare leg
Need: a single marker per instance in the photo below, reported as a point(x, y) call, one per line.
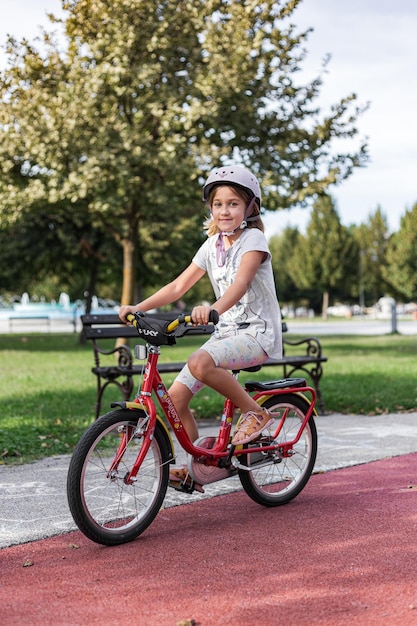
point(181, 397)
point(203, 368)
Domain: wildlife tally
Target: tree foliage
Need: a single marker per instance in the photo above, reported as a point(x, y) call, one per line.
point(400, 270)
point(142, 99)
point(325, 257)
point(283, 247)
point(59, 248)
point(372, 238)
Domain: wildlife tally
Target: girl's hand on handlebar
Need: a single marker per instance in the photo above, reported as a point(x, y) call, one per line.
point(201, 314)
point(124, 311)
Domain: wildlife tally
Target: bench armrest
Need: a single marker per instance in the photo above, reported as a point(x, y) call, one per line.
point(124, 359)
point(312, 345)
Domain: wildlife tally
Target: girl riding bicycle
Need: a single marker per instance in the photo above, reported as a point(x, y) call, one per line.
point(237, 260)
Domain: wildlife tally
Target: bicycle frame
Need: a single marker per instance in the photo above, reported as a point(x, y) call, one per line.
point(153, 383)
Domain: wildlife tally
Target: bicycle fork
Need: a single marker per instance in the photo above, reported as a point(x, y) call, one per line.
point(144, 429)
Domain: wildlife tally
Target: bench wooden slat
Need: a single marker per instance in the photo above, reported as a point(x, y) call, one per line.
point(167, 368)
point(295, 359)
point(108, 326)
point(110, 332)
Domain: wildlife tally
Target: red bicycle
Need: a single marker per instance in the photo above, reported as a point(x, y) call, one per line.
point(119, 471)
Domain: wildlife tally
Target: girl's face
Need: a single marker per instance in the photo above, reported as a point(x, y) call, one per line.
point(227, 208)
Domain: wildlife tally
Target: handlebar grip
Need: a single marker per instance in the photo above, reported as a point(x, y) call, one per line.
point(132, 319)
point(187, 319)
point(214, 317)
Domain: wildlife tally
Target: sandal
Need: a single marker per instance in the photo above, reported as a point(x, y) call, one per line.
point(180, 479)
point(250, 426)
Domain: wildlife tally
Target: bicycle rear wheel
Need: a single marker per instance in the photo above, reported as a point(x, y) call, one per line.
point(105, 508)
point(275, 480)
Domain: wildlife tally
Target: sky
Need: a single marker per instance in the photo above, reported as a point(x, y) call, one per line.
point(373, 50)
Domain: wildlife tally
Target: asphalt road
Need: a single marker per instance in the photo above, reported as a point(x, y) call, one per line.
point(354, 326)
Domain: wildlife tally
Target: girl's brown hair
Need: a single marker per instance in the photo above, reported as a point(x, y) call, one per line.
point(211, 227)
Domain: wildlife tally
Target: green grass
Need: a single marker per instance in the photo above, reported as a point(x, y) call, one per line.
point(48, 392)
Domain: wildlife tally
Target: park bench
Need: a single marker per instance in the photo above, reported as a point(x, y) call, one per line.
point(32, 318)
point(121, 372)
point(42, 317)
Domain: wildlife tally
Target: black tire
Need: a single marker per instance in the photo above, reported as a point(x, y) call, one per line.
point(281, 479)
point(105, 508)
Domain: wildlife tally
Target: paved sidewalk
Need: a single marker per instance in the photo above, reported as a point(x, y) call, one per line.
point(33, 502)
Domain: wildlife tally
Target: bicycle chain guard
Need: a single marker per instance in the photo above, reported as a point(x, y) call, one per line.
point(205, 474)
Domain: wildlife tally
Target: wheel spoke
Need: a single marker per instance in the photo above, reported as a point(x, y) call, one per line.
point(105, 507)
point(288, 470)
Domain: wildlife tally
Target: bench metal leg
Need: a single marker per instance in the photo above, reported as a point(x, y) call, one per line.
point(126, 388)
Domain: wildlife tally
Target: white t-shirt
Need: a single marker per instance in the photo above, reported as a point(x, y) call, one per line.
point(257, 313)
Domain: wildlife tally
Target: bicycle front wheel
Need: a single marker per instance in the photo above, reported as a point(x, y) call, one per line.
point(272, 479)
point(106, 508)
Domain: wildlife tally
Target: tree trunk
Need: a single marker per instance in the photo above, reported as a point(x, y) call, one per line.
point(89, 293)
point(325, 305)
point(129, 270)
point(129, 274)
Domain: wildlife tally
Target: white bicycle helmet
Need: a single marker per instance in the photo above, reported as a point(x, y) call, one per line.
point(235, 175)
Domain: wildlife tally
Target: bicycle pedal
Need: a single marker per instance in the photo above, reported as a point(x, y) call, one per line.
point(179, 486)
point(184, 487)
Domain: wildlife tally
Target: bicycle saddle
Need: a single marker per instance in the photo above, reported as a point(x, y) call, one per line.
point(267, 385)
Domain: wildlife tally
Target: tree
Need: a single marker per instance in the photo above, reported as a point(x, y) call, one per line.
point(326, 257)
point(282, 248)
point(372, 239)
point(145, 99)
point(61, 247)
point(400, 271)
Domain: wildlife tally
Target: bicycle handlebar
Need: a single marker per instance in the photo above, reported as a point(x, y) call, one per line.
point(184, 318)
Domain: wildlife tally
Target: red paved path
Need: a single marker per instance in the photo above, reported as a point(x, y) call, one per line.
point(344, 552)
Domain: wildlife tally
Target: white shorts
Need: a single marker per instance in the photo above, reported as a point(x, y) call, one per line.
point(230, 353)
